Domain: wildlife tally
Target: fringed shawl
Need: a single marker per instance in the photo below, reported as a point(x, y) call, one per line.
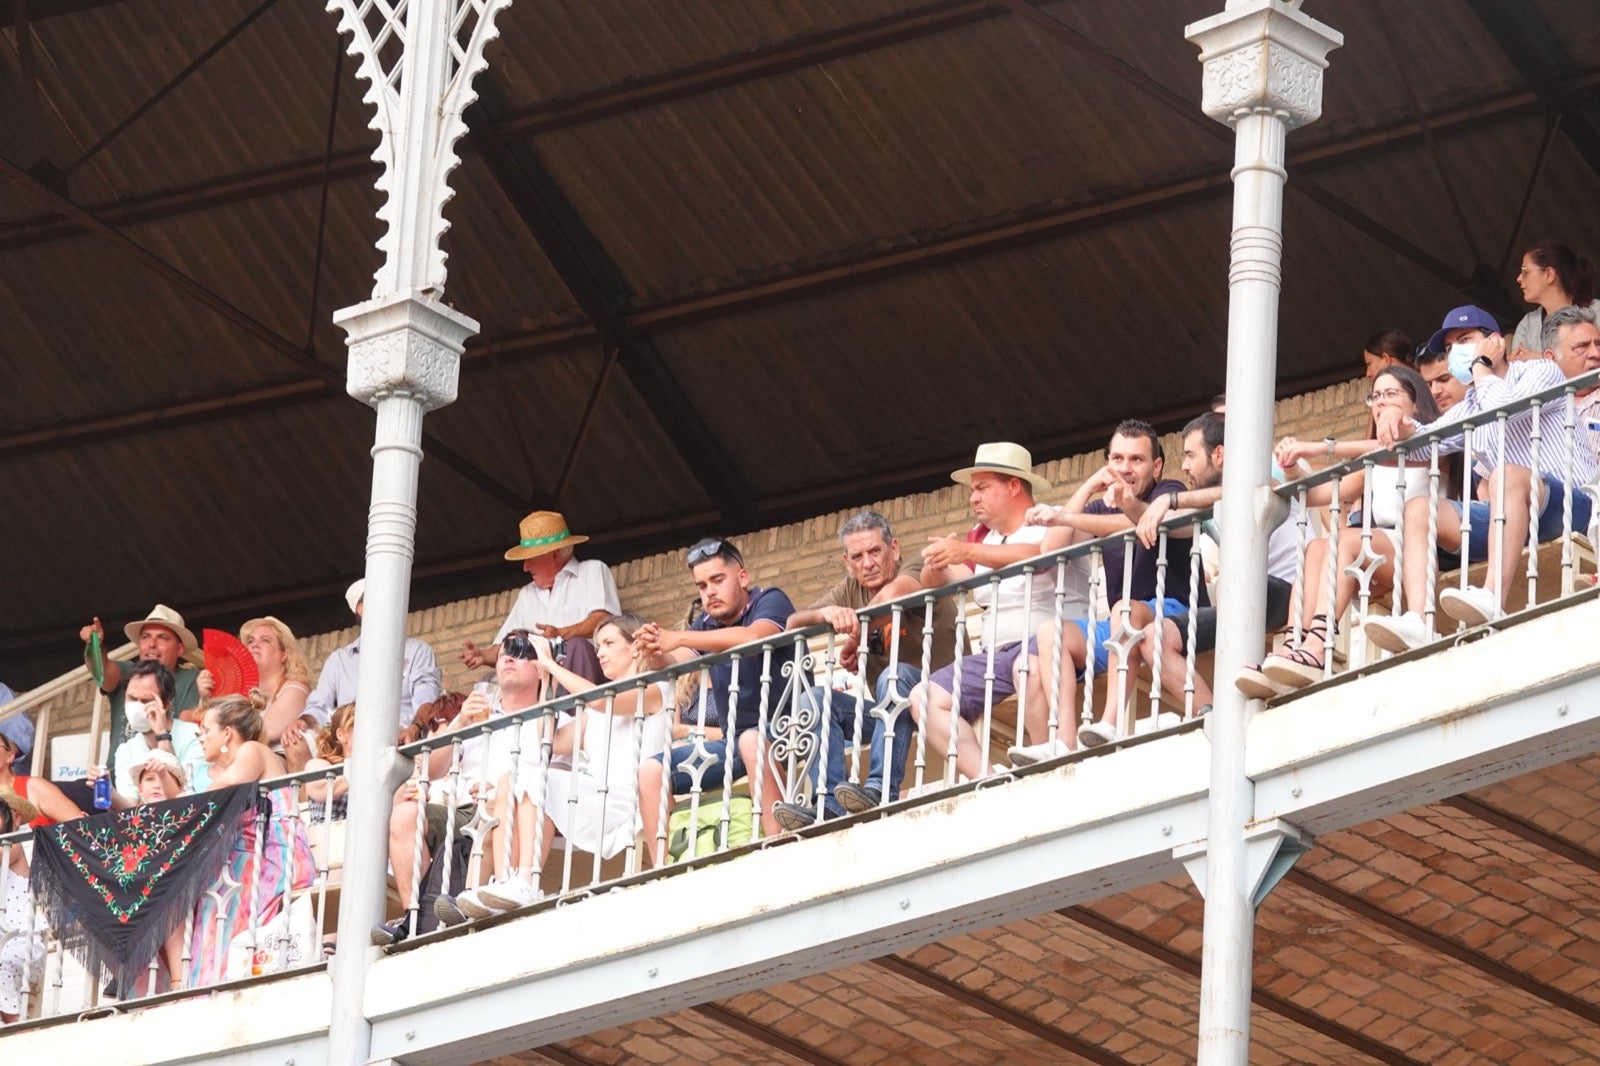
point(115, 885)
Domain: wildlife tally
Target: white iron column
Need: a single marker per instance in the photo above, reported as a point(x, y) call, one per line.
point(1263, 63)
point(405, 358)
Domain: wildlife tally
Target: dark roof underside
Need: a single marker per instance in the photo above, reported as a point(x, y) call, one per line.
point(803, 255)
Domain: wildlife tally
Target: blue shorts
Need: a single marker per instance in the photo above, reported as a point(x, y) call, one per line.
point(1170, 608)
point(1550, 520)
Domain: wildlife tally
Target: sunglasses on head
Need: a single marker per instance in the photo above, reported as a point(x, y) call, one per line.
point(712, 549)
point(518, 646)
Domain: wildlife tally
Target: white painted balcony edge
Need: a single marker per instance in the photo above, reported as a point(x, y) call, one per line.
point(1416, 729)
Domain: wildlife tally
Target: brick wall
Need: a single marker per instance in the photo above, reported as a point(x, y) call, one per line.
point(802, 558)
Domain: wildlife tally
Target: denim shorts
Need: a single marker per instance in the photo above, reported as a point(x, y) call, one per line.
point(1550, 520)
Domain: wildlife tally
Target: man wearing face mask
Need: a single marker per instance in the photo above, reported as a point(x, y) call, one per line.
point(1477, 356)
point(151, 727)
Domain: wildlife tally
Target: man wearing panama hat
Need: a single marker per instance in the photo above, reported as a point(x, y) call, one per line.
point(564, 599)
point(1003, 486)
point(162, 637)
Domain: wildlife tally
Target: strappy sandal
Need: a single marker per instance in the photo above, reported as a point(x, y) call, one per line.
point(1297, 667)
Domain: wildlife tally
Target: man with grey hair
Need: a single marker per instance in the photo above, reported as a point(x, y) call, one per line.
point(874, 573)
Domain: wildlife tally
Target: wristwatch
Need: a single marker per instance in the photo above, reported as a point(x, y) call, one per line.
point(1483, 361)
point(1172, 500)
point(163, 736)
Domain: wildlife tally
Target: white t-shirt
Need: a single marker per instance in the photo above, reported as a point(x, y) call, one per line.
point(580, 588)
point(1017, 607)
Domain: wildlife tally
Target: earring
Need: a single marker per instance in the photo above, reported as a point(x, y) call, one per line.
point(224, 749)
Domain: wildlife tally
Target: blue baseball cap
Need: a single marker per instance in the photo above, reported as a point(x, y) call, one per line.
point(19, 731)
point(1467, 317)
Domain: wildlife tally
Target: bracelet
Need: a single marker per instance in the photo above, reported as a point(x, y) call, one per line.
point(1329, 442)
point(1172, 500)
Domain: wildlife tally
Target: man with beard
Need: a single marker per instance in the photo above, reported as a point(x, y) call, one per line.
point(1110, 502)
point(1202, 465)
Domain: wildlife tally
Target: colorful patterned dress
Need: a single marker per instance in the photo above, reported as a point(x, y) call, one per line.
point(285, 861)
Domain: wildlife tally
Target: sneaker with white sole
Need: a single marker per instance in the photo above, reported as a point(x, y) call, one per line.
point(448, 910)
point(509, 895)
point(1405, 633)
point(1096, 733)
point(793, 816)
point(1028, 754)
point(471, 903)
point(856, 799)
point(1471, 605)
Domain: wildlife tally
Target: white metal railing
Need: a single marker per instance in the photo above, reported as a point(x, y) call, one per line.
point(499, 785)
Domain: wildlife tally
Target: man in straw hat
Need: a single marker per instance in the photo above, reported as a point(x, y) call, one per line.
point(420, 678)
point(162, 637)
point(1003, 486)
point(564, 599)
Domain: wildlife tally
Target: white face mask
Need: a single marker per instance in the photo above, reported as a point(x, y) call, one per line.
point(138, 712)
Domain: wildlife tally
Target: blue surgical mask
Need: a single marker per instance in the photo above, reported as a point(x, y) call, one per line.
point(1461, 357)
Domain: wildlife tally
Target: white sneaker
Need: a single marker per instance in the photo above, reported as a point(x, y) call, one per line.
point(509, 895)
point(472, 905)
point(1401, 634)
point(1471, 605)
point(1028, 754)
point(1163, 720)
point(1096, 733)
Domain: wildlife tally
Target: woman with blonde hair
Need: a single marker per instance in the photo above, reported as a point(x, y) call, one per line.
point(285, 676)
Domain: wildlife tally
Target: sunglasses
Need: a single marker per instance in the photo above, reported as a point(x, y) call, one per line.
point(713, 549)
point(518, 646)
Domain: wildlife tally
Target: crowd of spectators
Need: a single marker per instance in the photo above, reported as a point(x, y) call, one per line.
point(612, 772)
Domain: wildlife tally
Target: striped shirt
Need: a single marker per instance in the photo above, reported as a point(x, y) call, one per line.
point(1523, 378)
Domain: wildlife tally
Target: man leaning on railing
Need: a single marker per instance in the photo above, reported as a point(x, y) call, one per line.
point(734, 613)
point(875, 573)
point(1003, 483)
point(1504, 452)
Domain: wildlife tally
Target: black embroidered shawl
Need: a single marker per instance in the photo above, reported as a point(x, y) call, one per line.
point(115, 885)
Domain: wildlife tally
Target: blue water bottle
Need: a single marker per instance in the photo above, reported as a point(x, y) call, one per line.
point(102, 793)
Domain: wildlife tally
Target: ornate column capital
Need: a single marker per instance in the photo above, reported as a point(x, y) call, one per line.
point(404, 344)
point(1263, 55)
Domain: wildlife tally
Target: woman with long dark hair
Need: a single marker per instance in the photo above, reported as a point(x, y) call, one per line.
point(1552, 276)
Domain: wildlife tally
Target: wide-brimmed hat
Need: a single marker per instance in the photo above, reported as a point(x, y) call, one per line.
point(1002, 457)
point(542, 532)
point(18, 729)
point(164, 759)
point(22, 806)
point(162, 615)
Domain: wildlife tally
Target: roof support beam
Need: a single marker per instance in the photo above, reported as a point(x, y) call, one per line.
point(1186, 109)
point(245, 322)
point(953, 990)
point(721, 1015)
point(1492, 969)
point(596, 282)
point(1268, 1001)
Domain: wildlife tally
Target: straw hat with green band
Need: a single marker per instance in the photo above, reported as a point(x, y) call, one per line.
point(542, 532)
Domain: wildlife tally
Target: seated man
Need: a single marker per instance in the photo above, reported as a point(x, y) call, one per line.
point(162, 637)
point(734, 613)
point(149, 693)
point(1003, 483)
point(875, 574)
point(1110, 502)
point(1203, 456)
point(563, 600)
point(1477, 352)
point(341, 673)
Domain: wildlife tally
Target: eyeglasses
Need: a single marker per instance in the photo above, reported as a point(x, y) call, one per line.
point(713, 549)
point(518, 646)
point(1389, 395)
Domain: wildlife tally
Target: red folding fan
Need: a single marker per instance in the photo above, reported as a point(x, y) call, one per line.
point(230, 662)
